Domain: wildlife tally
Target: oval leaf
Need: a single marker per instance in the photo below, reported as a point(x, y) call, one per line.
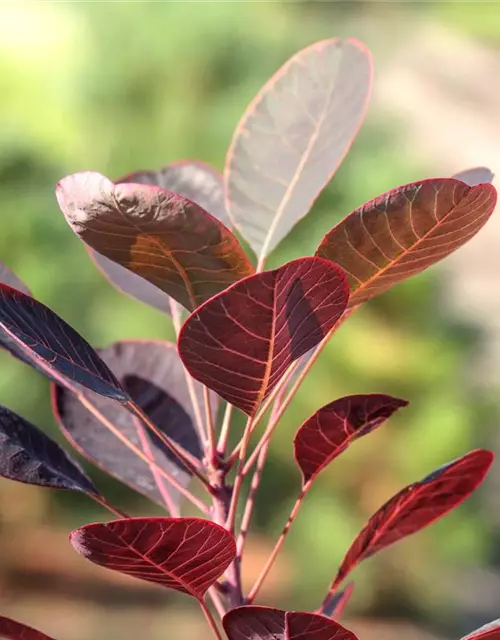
point(185, 554)
point(329, 431)
point(267, 623)
point(13, 630)
point(28, 455)
point(474, 176)
point(195, 180)
point(45, 341)
point(339, 602)
point(416, 507)
point(490, 631)
point(404, 231)
point(293, 137)
point(153, 375)
point(9, 277)
point(242, 341)
point(161, 236)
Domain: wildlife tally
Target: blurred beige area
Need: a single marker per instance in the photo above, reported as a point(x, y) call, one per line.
point(117, 87)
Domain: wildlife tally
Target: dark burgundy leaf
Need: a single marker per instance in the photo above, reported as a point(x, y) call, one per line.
point(242, 341)
point(404, 231)
point(329, 431)
point(474, 176)
point(153, 375)
point(28, 455)
point(10, 278)
point(159, 235)
point(415, 507)
point(267, 623)
point(338, 602)
point(13, 630)
point(185, 554)
point(490, 631)
point(293, 137)
point(192, 179)
point(45, 341)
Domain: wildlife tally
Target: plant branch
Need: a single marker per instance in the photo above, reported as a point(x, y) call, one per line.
point(209, 421)
point(238, 481)
point(217, 601)
point(210, 619)
point(224, 432)
point(103, 502)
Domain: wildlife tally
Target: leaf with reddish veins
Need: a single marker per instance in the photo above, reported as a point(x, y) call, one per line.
point(185, 554)
point(329, 431)
point(160, 236)
point(490, 631)
point(404, 231)
point(153, 375)
point(339, 602)
point(13, 630)
point(475, 176)
point(267, 623)
point(42, 339)
point(415, 507)
point(241, 342)
point(293, 137)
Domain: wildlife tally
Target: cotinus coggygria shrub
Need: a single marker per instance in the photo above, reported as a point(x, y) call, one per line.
point(149, 412)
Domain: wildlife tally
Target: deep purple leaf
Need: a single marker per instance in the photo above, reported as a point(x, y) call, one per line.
point(185, 554)
point(242, 341)
point(475, 176)
point(404, 231)
point(161, 236)
point(9, 277)
point(153, 375)
point(45, 341)
point(415, 507)
point(293, 137)
point(28, 455)
point(329, 431)
point(195, 180)
point(267, 623)
point(490, 631)
point(338, 602)
point(13, 630)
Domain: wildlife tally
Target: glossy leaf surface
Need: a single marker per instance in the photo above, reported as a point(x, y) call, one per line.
point(329, 431)
point(153, 376)
point(404, 231)
point(160, 236)
point(293, 137)
point(490, 631)
point(42, 339)
point(13, 630)
point(267, 623)
point(241, 342)
point(28, 455)
point(339, 601)
point(9, 277)
point(475, 175)
point(417, 506)
point(185, 554)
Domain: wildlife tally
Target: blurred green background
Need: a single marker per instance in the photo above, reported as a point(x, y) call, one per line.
point(117, 87)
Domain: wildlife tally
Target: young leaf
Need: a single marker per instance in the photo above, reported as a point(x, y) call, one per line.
point(293, 137)
point(490, 631)
point(13, 630)
point(415, 507)
point(161, 236)
point(153, 375)
point(28, 455)
point(404, 231)
point(241, 341)
point(185, 554)
point(329, 431)
point(474, 176)
point(43, 340)
point(339, 601)
point(192, 179)
point(9, 277)
point(267, 623)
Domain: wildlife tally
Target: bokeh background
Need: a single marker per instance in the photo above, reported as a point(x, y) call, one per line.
point(121, 86)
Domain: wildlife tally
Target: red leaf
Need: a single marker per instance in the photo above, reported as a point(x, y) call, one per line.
point(185, 554)
point(13, 630)
point(339, 602)
point(490, 631)
point(329, 431)
point(404, 231)
point(242, 341)
point(267, 623)
point(293, 137)
point(160, 236)
point(415, 507)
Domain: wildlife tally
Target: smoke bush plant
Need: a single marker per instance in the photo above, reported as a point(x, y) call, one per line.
point(150, 414)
